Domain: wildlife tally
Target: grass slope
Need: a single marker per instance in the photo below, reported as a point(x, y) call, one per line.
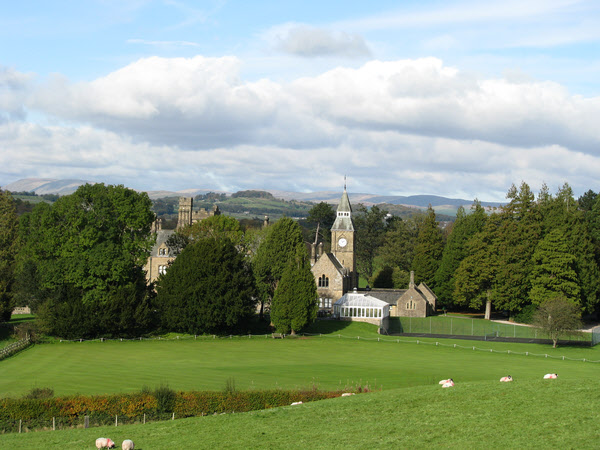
point(523, 414)
point(330, 362)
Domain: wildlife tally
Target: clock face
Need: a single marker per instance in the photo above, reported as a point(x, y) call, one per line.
point(343, 242)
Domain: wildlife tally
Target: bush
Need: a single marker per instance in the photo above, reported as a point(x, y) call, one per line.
point(526, 314)
point(37, 393)
point(165, 399)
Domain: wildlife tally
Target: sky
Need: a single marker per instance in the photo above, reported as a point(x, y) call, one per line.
point(456, 98)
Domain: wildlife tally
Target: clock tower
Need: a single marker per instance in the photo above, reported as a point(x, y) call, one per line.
point(342, 238)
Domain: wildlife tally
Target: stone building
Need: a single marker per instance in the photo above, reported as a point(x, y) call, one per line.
point(187, 215)
point(335, 272)
point(416, 301)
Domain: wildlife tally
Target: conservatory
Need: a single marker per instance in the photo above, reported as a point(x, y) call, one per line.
point(361, 307)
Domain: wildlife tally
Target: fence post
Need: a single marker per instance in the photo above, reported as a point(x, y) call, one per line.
point(54, 424)
point(429, 324)
point(116, 420)
point(86, 422)
point(144, 418)
point(472, 327)
point(173, 416)
point(20, 422)
point(451, 325)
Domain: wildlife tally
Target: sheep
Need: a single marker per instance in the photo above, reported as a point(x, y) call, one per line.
point(449, 380)
point(296, 403)
point(448, 384)
point(504, 379)
point(127, 444)
point(347, 394)
point(550, 376)
point(104, 443)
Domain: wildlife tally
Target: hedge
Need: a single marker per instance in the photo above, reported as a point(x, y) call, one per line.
point(35, 414)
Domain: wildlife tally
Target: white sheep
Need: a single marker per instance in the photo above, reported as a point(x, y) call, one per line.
point(127, 445)
point(347, 394)
point(448, 384)
point(449, 380)
point(296, 403)
point(550, 376)
point(104, 443)
point(505, 379)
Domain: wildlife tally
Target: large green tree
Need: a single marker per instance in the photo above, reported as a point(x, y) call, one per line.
point(370, 225)
point(209, 288)
point(8, 249)
point(428, 249)
point(465, 227)
point(86, 252)
point(283, 241)
point(295, 301)
point(321, 218)
point(556, 317)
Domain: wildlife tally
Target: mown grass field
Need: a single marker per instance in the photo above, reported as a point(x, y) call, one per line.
point(559, 413)
point(331, 361)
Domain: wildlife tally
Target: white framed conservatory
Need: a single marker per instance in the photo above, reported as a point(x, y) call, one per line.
point(361, 307)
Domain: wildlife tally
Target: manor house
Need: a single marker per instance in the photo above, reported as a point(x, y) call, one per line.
point(337, 280)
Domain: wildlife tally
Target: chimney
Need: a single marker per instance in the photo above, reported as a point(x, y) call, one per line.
point(320, 250)
point(412, 279)
point(313, 253)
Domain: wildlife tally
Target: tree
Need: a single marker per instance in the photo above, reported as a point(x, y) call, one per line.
point(553, 271)
point(370, 225)
point(295, 301)
point(88, 249)
point(465, 227)
point(282, 242)
point(556, 317)
point(8, 247)
point(428, 249)
point(322, 216)
point(398, 244)
point(211, 227)
point(209, 288)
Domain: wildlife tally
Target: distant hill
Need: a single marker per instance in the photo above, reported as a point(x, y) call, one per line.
point(64, 187)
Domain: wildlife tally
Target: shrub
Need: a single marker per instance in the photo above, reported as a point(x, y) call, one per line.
point(37, 393)
point(165, 399)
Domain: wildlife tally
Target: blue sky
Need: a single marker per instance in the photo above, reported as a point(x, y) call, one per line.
point(454, 98)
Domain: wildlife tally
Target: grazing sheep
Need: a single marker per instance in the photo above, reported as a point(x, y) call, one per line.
point(504, 379)
point(296, 403)
point(550, 376)
point(104, 443)
point(127, 444)
point(449, 380)
point(347, 394)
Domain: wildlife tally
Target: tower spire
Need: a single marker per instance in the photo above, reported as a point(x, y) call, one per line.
point(344, 182)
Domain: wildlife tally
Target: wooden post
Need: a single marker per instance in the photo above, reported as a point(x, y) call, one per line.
point(20, 422)
point(86, 422)
point(116, 420)
point(144, 418)
point(173, 416)
point(54, 424)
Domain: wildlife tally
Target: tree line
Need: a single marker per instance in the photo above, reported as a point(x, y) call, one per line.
point(79, 264)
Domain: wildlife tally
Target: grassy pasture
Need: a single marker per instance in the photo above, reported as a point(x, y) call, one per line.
point(328, 361)
point(559, 413)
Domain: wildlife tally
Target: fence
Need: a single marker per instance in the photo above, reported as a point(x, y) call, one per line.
point(459, 326)
point(15, 347)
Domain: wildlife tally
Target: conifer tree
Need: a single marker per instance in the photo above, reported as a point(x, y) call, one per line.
point(428, 249)
point(295, 301)
point(8, 247)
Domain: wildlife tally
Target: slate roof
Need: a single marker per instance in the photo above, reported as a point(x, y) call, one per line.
point(161, 238)
point(343, 222)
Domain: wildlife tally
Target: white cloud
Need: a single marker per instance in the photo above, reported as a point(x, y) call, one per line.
point(409, 126)
point(309, 41)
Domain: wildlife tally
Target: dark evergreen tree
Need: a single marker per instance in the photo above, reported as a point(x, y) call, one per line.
point(209, 288)
point(428, 249)
point(8, 249)
point(321, 218)
point(295, 301)
point(399, 242)
point(465, 227)
point(370, 225)
point(281, 243)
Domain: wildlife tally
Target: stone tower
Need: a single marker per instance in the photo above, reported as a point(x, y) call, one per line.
point(342, 238)
point(185, 212)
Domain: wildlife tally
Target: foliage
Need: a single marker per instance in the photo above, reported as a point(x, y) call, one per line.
point(37, 393)
point(83, 256)
point(553, 271)
point(321, 217)
point(252, 194)
point(428, 249)
point(283, 241)
point(370, 225)
point(465, 226)
point(295, 301)
point(8, 248)
point(557, 316)
point(398, 246)
point(209, 288)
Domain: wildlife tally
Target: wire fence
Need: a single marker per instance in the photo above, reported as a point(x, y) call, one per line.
point(382, 338)
point(459, 326)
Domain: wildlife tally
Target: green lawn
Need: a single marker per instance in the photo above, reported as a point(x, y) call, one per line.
point(536, 413)
point(330, 361)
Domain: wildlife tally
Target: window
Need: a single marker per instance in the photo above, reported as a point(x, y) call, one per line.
point(162, 251)
point(411, 305)
point(162, 270)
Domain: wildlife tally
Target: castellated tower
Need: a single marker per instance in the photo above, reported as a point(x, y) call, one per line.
point(185, 212)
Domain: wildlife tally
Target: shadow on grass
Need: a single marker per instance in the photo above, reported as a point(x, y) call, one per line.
point(327, 326)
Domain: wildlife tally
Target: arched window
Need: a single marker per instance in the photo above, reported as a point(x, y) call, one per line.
point(162, 270)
